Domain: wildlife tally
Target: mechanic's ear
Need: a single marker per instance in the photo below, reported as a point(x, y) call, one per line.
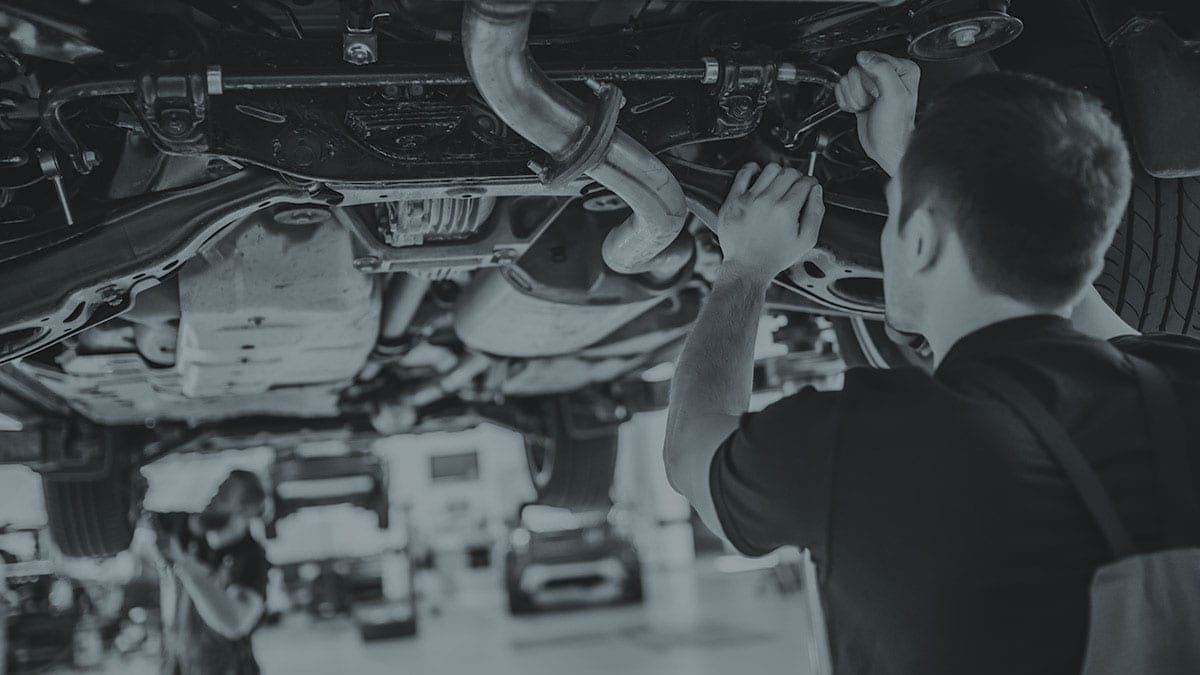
point(923, 241)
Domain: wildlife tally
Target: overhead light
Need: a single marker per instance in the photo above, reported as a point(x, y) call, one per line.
point(10, 423)
point(519, 538)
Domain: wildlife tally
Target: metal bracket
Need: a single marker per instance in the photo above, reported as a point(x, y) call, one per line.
point(592, 145)
point(360, 42)
point(742, 90)
point(175, 106)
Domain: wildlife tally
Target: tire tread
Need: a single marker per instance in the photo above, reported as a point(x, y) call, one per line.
point(1155, 258)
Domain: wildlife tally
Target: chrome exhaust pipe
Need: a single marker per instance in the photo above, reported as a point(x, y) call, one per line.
point(495, 33)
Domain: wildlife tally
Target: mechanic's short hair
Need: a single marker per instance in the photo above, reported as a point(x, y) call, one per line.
point(1035, 177)
point(250, 488)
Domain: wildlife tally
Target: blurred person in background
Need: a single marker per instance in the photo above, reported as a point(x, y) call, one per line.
point(213, 576)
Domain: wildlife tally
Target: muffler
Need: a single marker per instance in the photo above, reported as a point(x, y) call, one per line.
point(495, 33)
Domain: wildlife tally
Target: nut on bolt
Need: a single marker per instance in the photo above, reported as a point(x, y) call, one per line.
point(110, 295)
point(712, 70)
point(505, 256)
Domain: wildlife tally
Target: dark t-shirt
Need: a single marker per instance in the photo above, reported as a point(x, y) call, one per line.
point(946, 537)
point(190, 647)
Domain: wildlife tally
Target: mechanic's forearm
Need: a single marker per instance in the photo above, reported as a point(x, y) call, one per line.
point(714, 374)
point(214, 605)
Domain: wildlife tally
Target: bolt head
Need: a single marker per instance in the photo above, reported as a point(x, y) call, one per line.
point(965, 35)
point(176, 122)
point(359, 54)
point(366, 263)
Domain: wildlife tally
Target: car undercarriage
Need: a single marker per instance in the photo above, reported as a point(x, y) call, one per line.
point(221, 219)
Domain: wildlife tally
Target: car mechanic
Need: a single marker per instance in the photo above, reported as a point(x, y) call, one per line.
point(213, 576)
point(946, 537)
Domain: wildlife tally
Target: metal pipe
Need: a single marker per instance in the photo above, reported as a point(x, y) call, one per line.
point(692, 70)
point(467, 369)
point(494, 42)
point(401, 301)
point(399, 413)
point(218, 82)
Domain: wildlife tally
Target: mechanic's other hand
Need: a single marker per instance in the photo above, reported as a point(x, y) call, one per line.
point(882, 91)
point(770, 219)
point(170, 549)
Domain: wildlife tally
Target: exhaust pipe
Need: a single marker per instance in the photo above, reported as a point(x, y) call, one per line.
point(495, 33)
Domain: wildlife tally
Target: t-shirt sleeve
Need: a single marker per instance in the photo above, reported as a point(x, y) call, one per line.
point(1178, 355)
point(771, 479)
point(250, 570)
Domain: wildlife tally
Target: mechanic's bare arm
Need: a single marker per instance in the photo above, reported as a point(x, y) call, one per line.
point(1093, 317)
point(231, 611)
point(764, 228)
point(882, 92)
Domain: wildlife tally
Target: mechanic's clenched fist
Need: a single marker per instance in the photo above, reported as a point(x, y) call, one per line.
point(770, 219)
point(882, 91)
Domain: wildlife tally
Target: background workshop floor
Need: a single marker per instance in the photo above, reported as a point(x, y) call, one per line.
point(696, 620)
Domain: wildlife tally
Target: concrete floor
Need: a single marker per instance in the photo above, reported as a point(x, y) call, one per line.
point(697, 621)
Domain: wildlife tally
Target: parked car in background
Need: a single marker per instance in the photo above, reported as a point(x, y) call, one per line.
point(44, 622)
point(560, 558)
point(335, 545)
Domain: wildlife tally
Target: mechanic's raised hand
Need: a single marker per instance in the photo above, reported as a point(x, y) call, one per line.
point(169, 550)
point(770, 219)
point(882, 91)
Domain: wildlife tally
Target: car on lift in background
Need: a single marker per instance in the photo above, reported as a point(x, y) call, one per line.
point(334, 545)
point(228, 222)
point(42, 614)
point(560, 558)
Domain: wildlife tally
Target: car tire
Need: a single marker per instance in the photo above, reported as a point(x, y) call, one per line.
point(93, 517)
point(1151, 272)
point(519, 603)
point(635, 591)
point(573, 473)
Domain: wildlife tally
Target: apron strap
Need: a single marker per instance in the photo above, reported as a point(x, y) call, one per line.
point(1082, 477)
